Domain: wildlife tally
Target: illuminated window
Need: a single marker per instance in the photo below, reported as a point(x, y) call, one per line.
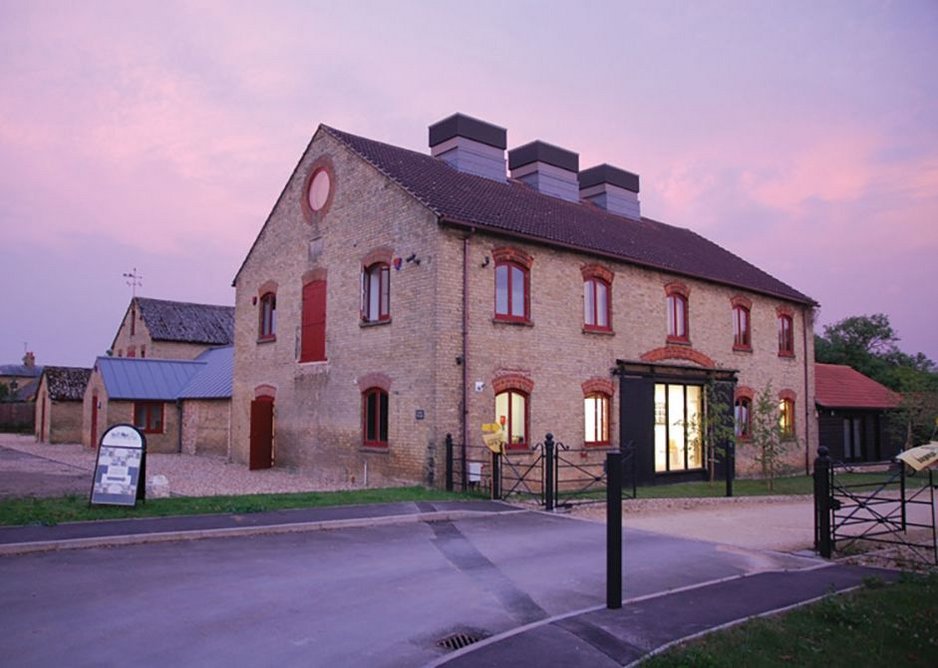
point(596, 419)
point(786, 336)
point(678, 436)
point(267, 317)
point(375, 417)
point(786, 417)
point(511, 411)
point(596, 304)
point(148, 416)
point(376, 293)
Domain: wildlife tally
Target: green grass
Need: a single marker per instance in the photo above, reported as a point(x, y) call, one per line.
point(75, 508)
point(893, 625)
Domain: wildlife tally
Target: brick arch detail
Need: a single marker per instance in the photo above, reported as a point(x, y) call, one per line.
point(677, 288)
point(512, 254)
point(375, 379)
point(267, 286)
point(376, 255)
point(265, 390)
point(598, 385)
point(740, 300)
point(317, 274)
point(597, 271)
point(745, 392)
point(787, 394)
point(785, 309)
point(512, 381)
point(679, 353)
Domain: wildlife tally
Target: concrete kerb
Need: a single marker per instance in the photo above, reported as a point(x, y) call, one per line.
point(232, 532)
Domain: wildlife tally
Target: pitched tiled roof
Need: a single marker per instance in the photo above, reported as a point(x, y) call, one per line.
point(187, 323)
point(214, 379)
point(66, 383)
point(840, 386)
point(515, 209)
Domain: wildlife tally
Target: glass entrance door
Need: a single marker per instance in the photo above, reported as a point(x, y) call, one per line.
point(678, 437)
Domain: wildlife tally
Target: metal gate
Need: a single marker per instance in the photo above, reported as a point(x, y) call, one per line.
point(875, 503)
point(549, 473)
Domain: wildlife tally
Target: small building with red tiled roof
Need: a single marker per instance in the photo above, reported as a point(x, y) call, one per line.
point(853, 414)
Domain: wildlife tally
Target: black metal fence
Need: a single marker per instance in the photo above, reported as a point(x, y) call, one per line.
point(550, 472)
point(873, 508)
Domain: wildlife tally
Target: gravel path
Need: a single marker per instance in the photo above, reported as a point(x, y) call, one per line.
point(188, 475)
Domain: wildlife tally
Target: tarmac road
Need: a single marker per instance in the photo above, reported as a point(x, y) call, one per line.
point(375, 596)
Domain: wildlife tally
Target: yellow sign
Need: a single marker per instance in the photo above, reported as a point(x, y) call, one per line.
point(494, 437)
point(920, 457)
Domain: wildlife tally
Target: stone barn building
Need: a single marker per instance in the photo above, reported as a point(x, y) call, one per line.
point(394, 296)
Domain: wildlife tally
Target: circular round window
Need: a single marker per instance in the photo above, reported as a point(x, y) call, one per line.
point(318, 190)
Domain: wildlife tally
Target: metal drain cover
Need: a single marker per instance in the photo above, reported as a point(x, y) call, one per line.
point(456, 641)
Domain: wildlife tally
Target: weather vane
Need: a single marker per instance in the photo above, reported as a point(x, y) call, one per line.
point(134, 280)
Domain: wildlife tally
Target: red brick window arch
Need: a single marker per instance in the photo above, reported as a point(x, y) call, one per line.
point(597, 298)
point(742, 323)
point(678, 295)
point(512, 284)
point(512, 393)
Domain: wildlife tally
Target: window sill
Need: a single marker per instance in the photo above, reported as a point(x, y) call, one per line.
point(364, 324)
point(675, 341)
point(786, 355)
point(516, 323)
point(313, 363)
point(741, 349)
point(266, 339)
point(602, 331)
point(598, 445)
point(377, 449)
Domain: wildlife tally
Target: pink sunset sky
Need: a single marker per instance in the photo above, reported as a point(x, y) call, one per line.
point(802, 136)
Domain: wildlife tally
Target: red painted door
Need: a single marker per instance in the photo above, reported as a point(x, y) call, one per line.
point(94, 420)
point(262, 433)
point(313, 341)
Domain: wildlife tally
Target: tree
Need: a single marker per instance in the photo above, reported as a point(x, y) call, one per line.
point(767, 437)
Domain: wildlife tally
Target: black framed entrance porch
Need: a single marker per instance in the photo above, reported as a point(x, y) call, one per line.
point(640, 414)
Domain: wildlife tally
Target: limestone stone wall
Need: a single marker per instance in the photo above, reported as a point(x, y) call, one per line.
point(205, 427)
point(417, 355)
point(318, 405)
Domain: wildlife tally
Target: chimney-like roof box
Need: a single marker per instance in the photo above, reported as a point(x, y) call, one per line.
point(612, 189)
point(470, 145)
point(549, 169)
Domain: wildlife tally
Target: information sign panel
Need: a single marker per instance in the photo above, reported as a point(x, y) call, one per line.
point(120, 469)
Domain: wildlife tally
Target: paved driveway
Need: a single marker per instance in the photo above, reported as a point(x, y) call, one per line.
point(378, 596)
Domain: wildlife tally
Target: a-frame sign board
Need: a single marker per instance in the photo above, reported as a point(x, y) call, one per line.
point(120, 472)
